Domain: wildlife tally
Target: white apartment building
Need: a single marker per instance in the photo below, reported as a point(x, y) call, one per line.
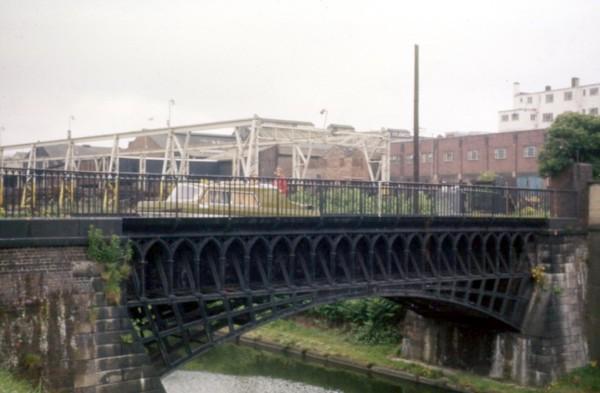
point(538, 110)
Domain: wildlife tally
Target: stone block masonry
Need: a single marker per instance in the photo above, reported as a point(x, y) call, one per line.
point(554, 339)
point(55, 325)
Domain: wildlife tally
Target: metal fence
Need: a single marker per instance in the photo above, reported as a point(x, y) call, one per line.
point(47, 193)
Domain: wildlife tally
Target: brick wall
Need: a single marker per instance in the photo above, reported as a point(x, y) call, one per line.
point(336, 163)
point(443, 169)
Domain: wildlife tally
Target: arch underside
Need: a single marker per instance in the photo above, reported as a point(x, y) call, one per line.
point(188, 294)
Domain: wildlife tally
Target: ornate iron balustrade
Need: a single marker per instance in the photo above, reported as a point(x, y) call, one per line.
point(48, 193)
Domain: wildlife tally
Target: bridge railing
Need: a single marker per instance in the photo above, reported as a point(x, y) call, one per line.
point(49, 193)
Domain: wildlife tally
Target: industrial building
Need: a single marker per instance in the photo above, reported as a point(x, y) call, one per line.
point(511, 156)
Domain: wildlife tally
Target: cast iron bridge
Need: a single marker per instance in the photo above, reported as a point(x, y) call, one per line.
point(217, 257)
point(201, 284)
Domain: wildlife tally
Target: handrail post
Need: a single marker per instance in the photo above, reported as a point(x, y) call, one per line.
point(379, 199)
point(415, 197)
point(432, 199)
point(278, 194)
point(176, 197)
point(320, 196)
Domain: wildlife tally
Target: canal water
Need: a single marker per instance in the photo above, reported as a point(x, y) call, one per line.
point(235, 369)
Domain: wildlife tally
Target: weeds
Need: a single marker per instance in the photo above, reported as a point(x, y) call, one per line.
point(114, 257)
point(371, 321)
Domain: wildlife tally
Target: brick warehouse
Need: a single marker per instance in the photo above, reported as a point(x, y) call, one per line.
point(512, 156)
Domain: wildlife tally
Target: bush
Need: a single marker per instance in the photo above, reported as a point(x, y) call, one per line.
point(114, 257)
point(487, 176)
point(372, 321)
point(366, 200)
point(9, 383)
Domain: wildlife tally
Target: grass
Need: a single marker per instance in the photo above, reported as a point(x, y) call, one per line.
point(11, 384)
point(583, 380)
point(339, 343)
point(335, 342)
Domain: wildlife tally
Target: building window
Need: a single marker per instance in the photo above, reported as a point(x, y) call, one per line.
point(514, 116)
point(532, 117)
point(529, 100)
point(529, 151)
point(473, 155)
point(504, 117)
point(427, 157)
point(500, 154)
point(548, 117)
point(394, 158)
point(583, 91)
point(549, 98)
point(594, 91)
point(593, 111)
point(409, 157)
point(448, 156)
point(568, 95)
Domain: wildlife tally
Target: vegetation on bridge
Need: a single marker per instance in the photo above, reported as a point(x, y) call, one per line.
point(114, 258)
point(573, 137)
point(368, 199)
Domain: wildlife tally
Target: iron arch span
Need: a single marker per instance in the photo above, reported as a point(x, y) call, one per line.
point(189, 292)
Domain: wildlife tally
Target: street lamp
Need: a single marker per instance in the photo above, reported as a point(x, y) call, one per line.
point(71, 118)
point(324, 112)
point(171, 104)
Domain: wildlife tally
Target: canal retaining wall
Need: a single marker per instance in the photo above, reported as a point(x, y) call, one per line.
point(554, 339)
point(56, 326)
point(592, 316)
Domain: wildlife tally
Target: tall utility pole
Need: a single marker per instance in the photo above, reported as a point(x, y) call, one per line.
point(416, 158)
point(416, 119)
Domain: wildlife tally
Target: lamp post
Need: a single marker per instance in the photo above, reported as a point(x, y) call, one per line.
point(324, 112)
point(171, 105)
point(71, 119)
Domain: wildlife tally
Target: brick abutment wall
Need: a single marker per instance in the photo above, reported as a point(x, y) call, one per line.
point(56, 326)
point(554, 339)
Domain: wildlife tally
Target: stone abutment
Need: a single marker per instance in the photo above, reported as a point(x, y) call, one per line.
point(56, 326)
point(554, 338)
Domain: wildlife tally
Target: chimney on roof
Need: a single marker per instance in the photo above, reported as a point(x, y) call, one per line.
point(516, 88)
point(574, 82)
point(548, 87)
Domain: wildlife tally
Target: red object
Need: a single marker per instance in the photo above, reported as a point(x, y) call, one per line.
point(282, 185)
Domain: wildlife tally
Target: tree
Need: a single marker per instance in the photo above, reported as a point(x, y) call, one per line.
point(573, 137)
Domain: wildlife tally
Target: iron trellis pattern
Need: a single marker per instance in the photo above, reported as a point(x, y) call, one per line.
point(188, 293)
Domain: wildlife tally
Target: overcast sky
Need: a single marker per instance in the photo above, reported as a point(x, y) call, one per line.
point(113, 64)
